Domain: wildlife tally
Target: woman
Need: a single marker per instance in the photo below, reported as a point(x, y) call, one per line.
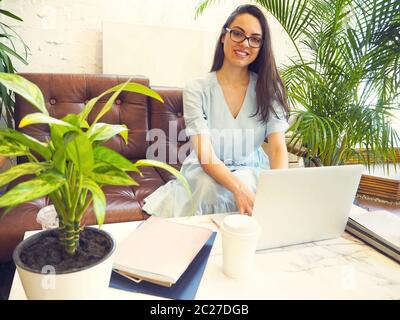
point(228, 114)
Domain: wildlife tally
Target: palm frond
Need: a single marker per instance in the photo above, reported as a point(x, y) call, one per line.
point(202, 5)
point(8, 48)
point(294, 16)
point(376, 24)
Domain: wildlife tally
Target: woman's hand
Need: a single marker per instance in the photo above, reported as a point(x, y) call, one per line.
point(244, 198)
point(216, 169)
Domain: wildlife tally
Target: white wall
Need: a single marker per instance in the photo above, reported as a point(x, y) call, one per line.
point(155, 51)
point(67, 36)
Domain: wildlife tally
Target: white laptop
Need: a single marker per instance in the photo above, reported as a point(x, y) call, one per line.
point(301, 205)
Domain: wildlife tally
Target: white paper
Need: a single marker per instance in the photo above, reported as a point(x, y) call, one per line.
point(160, 249)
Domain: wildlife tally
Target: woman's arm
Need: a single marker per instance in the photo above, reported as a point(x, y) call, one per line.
point(216, 169)
point(277, 151)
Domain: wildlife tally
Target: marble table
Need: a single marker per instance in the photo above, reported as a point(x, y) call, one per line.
point(342, 268)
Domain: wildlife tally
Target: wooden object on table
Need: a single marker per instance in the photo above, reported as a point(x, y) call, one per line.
point(355, 160)
point(380, 187)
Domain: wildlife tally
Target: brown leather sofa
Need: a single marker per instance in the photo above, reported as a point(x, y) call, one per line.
point(67, 93)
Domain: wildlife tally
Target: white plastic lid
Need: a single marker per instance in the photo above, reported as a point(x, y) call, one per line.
point(240, 224)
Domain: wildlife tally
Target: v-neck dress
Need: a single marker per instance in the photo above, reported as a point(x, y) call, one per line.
point(236, 142)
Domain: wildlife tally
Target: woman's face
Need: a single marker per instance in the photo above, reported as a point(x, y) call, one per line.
point(242, 54)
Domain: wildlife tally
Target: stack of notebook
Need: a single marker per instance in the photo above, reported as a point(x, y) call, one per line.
point(163, 258)
point(380, 229)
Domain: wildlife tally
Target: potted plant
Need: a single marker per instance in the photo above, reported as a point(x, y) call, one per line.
point(9, 52)
point(70, 167)
point(10, 41)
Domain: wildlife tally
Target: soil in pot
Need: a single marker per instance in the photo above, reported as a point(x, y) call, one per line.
point(47, 250)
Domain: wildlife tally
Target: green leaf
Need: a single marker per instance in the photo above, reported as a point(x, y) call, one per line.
point(3, 47)
point(203, 5)
point(57, 135)
point(12, 148)
point(294, 16)
point(113, 158)
point(37, 117)
point(60, 137)
point(32, 189)
point(30, 142)
point(88, 107)
point(80, 151)
point(12, 36)
point(105, 131)
point(25, 88)
point(162, 165)
point(72, 119)
point(9, 14)
point(108, 105)
point(59, 159)
point(84, 124)
point(131, 87)
point(110, 175)
point(99, 199)
point(21, 170)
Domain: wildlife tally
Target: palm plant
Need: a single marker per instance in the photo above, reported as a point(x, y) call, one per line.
point(75, 164)
point(343, 83)
point(8, 49)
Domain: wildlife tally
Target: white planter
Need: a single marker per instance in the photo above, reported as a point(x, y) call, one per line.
point(86, 283)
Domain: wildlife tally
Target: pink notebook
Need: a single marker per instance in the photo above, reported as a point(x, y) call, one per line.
point(159, 251)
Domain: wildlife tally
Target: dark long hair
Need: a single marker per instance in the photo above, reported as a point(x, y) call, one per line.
point(269, 84)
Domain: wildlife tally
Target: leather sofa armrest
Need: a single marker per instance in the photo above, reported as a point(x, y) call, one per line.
point(3, 160)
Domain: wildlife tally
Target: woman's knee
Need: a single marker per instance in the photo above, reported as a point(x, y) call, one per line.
point(207, 188)
point(248, 177)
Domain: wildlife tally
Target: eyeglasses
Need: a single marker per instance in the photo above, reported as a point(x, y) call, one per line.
point(239, 37)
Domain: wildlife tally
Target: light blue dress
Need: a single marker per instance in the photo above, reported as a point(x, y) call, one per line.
point(236, 141)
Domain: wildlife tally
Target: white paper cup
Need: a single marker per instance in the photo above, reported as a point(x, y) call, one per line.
point(240, 234)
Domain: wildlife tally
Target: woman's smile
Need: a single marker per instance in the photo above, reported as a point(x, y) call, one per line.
point(242, 54)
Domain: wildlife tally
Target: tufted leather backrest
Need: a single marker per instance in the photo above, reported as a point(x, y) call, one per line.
point(68, 93)
point(167, 134)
